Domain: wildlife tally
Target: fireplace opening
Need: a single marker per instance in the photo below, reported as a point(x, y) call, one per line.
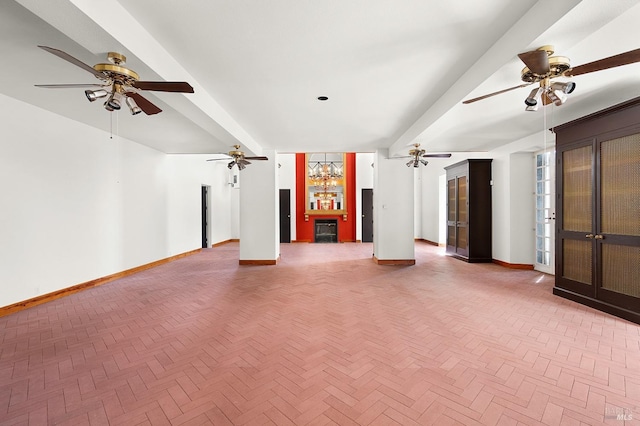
point(326, 230)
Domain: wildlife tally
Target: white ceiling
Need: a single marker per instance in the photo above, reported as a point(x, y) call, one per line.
point(395, 72)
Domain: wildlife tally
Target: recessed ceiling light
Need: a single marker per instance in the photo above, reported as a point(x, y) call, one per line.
point(322, 98)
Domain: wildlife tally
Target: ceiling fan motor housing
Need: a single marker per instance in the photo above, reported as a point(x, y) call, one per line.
point(557, 66)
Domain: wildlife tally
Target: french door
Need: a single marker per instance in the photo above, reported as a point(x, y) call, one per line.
point(545, 211)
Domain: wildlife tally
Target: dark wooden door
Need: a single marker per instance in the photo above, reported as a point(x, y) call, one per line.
point(285, 215)
point(203, 192)
point(367, 215)
point(576, 219)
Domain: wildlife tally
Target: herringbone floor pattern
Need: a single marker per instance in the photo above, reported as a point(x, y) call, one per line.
point(325, 337)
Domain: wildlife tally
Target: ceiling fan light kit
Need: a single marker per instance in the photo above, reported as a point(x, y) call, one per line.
point(92, 95)
point(121, 84)
point(133, 106)
point(541, 67)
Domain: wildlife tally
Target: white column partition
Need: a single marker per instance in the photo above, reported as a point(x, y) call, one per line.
point(259, 224)
point(393, 211)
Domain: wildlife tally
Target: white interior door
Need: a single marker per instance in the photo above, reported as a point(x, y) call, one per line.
point(545, 211)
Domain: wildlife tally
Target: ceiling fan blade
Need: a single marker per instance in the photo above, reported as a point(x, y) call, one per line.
point(479, 98)
point(218, 159)
point(437, 155)
point(626, 58)
point(144, 104)
point(74, 61)
point(164, 86)
point(255, 158)
point(69, 86)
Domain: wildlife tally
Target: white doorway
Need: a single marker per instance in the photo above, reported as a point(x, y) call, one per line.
point(545, 211)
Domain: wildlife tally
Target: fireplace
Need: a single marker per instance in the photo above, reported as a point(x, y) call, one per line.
point(326, 231)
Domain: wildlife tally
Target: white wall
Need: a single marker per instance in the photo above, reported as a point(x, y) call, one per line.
point(77, 205)
point(417, 203)
point(429, 207)
point(287, 180)
point(501, 209)
point(393, 209)
point(442, 210)
point(522, 209)
point(234, 211)
point(364, 179)
point(259, 220)
point(187, 174)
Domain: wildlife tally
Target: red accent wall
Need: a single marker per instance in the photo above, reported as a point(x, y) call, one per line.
point(346, 229)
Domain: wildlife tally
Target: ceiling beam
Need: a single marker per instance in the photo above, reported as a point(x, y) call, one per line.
point(118, 23)
point(529, 27)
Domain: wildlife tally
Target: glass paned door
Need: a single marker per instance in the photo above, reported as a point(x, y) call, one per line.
point(545, 211)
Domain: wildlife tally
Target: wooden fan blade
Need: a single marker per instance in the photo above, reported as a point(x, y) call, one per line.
point(164, 86)
point(74, 61)
point(144, 104)
point(218, 159)
point(255, 158)
point(479, 98)
point(437, 155)
point(536, 60)
point(68, 86)
point(626, 58)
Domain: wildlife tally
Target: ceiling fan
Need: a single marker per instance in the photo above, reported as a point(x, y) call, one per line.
point(541, 67)
point(416, 154)
point(119, 84)
point(238, 158)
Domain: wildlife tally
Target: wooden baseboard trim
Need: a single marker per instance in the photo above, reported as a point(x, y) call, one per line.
point(39, 300)
point(221, 243)
point(513, 265)
point(394, 261)
point(258, 261)
point(300, 241)
point(433, 243)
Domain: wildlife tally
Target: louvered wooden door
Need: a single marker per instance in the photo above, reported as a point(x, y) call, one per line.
point(598, 251)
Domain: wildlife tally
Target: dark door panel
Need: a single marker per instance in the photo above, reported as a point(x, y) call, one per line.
point(367, 215)
point(285, 215)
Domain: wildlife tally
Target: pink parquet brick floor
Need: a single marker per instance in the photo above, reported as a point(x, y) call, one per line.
point(325, 337)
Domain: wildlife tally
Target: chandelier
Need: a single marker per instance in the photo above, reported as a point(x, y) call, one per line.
point(325, 176)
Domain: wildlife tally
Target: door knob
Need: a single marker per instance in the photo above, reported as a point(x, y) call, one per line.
point(599, 237)
point(589, 236)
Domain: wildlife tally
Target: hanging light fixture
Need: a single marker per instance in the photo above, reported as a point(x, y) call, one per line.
point(133, 106)
point(92, 95)
point(325, 177)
